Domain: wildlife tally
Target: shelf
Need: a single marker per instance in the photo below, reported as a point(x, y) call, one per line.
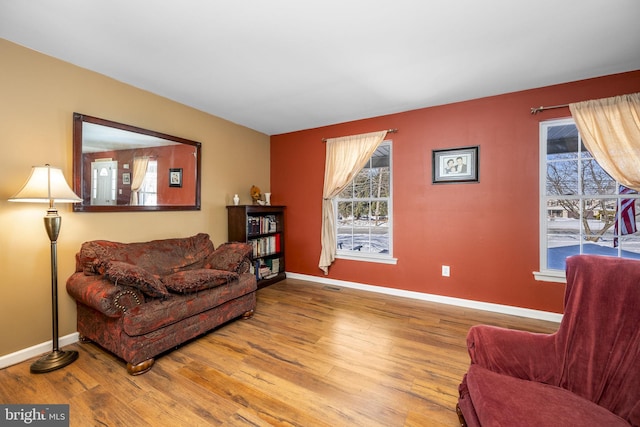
point(266, 282)
point(263, 227)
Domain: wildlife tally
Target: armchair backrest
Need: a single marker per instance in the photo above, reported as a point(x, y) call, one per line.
point(598, 341)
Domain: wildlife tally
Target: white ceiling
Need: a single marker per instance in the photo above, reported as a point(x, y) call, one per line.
point(283, 65)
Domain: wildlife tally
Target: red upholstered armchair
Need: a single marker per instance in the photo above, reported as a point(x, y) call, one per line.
point(585, 374)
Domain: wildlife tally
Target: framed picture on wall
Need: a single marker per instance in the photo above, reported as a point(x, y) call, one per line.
point(126, 178)
point(175, 177)
point(455, 165)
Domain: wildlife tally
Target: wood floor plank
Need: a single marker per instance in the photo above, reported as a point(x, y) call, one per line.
point(257, 397)
point(102, 406)
point(312, 355)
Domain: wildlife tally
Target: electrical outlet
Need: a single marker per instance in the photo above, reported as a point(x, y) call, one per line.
point(446, 271)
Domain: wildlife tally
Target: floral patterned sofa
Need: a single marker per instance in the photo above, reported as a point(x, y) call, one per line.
point(139, 300)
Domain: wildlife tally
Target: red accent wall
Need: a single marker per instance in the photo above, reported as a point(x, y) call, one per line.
point(487, 231)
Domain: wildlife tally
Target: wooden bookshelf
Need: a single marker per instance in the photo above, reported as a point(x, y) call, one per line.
point(263, 228)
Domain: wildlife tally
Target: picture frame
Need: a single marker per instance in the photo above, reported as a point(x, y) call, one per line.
point(126, 178)
point(456, 165)
point(175, 177)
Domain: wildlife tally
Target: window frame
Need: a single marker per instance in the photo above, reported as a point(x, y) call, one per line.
point(386, 258)
point(150, 180)
point(545, 273)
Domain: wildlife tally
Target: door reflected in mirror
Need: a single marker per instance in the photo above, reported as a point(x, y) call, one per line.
point(119, 167)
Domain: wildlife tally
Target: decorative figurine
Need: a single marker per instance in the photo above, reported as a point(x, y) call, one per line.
point(256, 195)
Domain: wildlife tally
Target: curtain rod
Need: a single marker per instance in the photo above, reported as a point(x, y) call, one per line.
point(552, 107)
point(388, 131)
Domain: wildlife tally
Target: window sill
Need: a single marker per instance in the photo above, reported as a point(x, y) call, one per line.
point(550, 276)
point(367, 258)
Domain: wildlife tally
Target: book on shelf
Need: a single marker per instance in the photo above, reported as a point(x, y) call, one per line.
point(264, 246)
point(275, 265)
point(262, 224)
point(266, 269)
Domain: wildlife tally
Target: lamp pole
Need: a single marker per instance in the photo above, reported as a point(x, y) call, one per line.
point(57, 358)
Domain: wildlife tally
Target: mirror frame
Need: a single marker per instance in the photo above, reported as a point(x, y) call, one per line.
point(78, 120)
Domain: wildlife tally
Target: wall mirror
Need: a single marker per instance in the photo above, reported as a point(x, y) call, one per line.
point(118, 167)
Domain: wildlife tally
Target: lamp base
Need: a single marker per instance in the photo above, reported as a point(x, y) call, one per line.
point(55, 360)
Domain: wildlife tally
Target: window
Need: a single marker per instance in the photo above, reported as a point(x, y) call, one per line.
point(148, 194)
point(364, 211)
point(579, 203)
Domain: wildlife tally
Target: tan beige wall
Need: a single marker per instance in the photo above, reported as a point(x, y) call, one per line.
point(38, 95)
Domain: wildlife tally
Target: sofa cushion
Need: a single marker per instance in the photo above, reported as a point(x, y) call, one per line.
point(501, 400)
point(158, 313)
point(159, 257)
point(231, 257)
point(122, 273)
point(197, 280)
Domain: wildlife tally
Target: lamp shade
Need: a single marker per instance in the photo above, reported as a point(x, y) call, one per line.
point(46, 184)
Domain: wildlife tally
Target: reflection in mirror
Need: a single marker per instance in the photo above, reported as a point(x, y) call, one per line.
point(118, 167)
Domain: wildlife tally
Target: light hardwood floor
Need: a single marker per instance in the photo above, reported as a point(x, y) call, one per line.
point(313, 355)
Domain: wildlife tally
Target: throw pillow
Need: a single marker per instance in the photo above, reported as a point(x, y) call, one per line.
point(124, 273)
point(197, 280)
point(229, 256)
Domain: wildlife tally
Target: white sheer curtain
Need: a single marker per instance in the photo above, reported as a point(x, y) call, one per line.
point(610, 130)
point(346, 156)
point(139, 171)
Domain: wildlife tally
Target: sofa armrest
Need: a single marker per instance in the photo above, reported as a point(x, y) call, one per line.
point(521, 354)
point(232, 256)
point(102, 295)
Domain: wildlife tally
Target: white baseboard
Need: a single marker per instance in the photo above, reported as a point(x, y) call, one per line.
point(478, 305)
point(36, 350)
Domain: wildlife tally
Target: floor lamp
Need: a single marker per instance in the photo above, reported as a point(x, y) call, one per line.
point(46, 184)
